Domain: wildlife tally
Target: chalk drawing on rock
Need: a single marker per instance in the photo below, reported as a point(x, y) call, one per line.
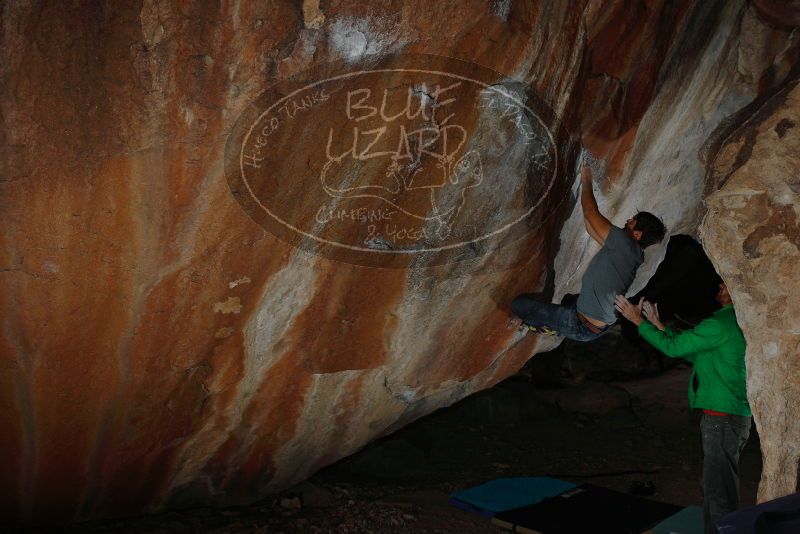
point(417, 155)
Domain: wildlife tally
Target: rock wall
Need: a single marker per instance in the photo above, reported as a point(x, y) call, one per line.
point(159, 347)
point(752, 233)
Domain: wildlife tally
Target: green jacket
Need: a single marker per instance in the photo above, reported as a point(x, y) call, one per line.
point(716, 348)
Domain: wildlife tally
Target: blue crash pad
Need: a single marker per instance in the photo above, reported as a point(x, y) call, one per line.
point(504, 494)
point(779, 516)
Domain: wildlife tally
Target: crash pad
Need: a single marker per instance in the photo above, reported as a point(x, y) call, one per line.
point(687, 521)
point(504, 494)
point(778, 516)
point(587, 508)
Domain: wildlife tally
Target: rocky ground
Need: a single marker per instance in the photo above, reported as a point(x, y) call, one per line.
point(617, 432)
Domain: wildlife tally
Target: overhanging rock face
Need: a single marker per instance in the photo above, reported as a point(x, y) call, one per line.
point(163, 342)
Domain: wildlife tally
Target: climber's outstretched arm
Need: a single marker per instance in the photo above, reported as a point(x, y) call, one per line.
point(597, 225)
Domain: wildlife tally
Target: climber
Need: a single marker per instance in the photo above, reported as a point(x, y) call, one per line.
point(718, 387)
point(590, 314)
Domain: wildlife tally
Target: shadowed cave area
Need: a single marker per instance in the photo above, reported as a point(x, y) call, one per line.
point(629, 434)
point(261, 264)
point(611, 413)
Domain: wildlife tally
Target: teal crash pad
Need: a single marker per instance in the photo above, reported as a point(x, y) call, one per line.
point(504, 494)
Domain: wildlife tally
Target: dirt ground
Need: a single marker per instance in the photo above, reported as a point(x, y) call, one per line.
point(401, 483)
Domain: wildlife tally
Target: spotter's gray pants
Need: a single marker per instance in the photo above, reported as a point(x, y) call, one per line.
point(724, 437)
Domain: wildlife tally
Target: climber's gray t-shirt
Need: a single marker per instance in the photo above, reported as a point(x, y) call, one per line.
point(610, 273)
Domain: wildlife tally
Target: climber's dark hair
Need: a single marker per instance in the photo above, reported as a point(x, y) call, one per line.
point(652, 228)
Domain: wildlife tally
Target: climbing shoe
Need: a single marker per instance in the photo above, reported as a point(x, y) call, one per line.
point(544, 330)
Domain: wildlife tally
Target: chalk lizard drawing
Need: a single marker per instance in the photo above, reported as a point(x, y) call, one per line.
point(462, 174)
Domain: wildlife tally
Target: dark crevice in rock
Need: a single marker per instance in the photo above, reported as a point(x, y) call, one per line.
point(783, 126)
point(695, 37)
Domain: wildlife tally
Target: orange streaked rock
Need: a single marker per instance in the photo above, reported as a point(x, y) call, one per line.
point(159, 347)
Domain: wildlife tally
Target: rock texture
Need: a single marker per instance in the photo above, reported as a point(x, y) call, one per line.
point(752, 233)
point(158, 347)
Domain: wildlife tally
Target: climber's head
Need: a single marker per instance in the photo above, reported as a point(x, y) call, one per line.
point(646, 228)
